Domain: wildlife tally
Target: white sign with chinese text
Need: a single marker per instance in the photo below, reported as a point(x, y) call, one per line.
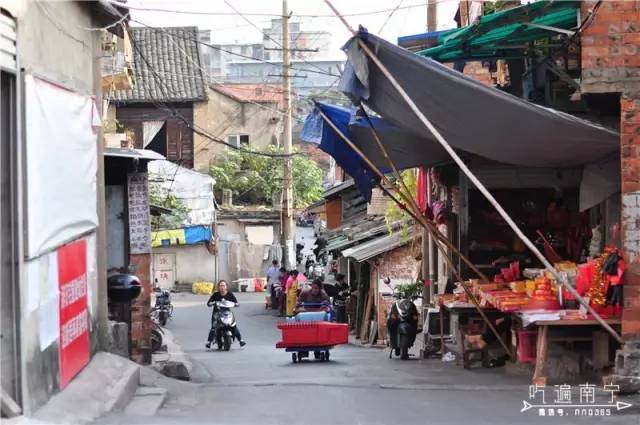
point(139, 216)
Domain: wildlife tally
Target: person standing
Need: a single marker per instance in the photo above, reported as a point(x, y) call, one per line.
point(273, 275)
point(291, 289)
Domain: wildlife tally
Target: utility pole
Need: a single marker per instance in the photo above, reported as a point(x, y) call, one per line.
point(288, 225)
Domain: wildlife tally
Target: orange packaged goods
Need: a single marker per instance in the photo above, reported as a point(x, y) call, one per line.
point(543, 296)
point(519, 287)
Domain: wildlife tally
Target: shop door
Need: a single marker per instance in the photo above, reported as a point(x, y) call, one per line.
point(164, 266)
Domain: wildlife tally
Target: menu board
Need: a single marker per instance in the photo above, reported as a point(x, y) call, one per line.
point(139, 216)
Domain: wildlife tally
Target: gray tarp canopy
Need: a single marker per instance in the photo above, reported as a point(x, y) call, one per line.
point(471, 116)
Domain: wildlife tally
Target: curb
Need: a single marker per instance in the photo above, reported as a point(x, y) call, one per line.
point(108, 383)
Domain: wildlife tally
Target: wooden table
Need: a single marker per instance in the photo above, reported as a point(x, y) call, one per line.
point(599, 338)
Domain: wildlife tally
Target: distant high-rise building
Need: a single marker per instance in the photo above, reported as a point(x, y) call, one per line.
point(254, 63)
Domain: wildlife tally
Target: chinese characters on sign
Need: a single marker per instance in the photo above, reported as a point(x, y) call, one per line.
point(139, 217)
point(74, 316)
point(586, 402)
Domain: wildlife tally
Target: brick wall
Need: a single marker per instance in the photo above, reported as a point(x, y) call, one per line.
point(630, 163)
point(399, 263)
point(611, 47)
point(140, 321)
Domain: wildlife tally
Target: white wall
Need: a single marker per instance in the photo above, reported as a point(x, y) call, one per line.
point(193, 263)
point(66, 57)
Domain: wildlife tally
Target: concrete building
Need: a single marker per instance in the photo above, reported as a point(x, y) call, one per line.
point(216, 57)
point(243, 115)
point(54, 298)
point(248, 239)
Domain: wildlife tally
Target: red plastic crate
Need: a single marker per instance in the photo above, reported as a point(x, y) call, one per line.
point(307, 334)
point(527, 346)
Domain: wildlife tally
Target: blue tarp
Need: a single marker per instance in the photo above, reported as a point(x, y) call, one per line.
point(316, 130)
point(197, 234)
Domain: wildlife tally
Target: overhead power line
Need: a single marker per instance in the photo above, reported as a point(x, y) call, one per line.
point(277, 15)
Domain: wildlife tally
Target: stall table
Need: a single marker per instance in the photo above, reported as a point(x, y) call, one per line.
point(599, 339)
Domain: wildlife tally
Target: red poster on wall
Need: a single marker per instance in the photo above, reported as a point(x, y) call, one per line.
point(74, 315)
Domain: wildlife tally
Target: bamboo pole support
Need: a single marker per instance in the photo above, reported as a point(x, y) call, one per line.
point(441, 140)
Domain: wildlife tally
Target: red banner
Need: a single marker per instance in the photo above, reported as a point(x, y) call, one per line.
point(74, 315)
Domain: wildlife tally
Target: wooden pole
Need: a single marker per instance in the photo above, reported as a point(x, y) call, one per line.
point(441, 140)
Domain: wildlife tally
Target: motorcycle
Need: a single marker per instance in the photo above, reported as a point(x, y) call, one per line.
point(157, 333)
point(402, 326)
point(314, 271)
point(223, 324)
point(163, 306)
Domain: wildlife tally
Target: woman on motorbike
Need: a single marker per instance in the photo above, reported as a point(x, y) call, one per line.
point(222, 293)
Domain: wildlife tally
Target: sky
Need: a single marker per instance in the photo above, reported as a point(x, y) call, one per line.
point(409, 19)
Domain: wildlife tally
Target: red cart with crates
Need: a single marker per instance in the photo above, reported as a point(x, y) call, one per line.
point(301, 337)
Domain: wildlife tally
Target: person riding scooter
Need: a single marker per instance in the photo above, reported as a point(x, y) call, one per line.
point(222, 293)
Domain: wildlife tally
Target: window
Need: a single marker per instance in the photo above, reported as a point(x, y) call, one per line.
point(238, 140)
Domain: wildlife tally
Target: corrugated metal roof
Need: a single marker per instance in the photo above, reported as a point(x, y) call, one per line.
point(345, 241)
point(379, 245)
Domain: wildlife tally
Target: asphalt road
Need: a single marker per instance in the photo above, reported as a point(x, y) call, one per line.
point(260, 384)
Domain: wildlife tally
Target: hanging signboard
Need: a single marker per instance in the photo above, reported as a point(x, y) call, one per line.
point(74, 315)
point(139, 216)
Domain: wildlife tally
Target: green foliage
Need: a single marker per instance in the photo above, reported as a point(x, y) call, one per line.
point(394, 213)
point(255, 179)
point(498, 6)
point(408, 290)
point(179, 211)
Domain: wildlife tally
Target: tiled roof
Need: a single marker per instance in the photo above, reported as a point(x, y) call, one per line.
point(259, 93)
point(175, 74)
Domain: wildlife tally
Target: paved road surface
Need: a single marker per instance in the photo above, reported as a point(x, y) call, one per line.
point(259, 385)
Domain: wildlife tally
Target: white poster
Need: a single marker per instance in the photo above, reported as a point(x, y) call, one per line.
point(61, 160)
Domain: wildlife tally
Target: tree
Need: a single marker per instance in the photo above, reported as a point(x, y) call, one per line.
point(163, 198)
point(255, 179)
point(394, 213)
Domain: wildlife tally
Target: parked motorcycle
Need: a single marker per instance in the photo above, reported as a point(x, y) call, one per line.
point(315, 271)
point(402, 326)
point(164, 306)
point(224, 323)
point(157, 333)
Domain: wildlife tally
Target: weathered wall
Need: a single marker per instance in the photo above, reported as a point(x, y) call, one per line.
point(179, 142)
point(222, 116)
point(66, 57)
point(611, 47)
point(237, 258)
point(611, 64)
point(140, 265)
point(399, 263)
point(193, 263)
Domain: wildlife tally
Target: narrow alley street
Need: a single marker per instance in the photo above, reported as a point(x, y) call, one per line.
point(359, 386)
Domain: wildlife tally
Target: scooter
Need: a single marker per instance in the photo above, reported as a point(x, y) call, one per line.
point(163, 306)
point(224, 323)
point(402, 326)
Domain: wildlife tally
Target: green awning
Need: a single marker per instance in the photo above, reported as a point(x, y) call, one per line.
point(506, 34)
